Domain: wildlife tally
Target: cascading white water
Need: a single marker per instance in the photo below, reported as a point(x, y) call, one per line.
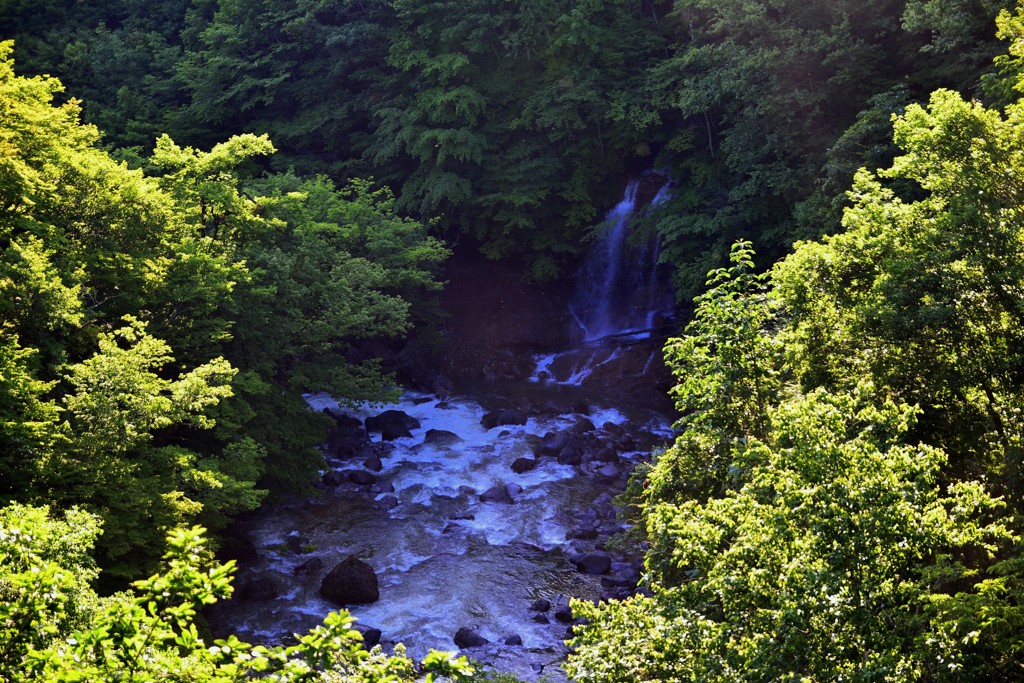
point(445, 559)
point(595, 304)
point(621, 293)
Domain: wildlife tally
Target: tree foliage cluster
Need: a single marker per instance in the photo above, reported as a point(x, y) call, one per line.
point(157, 330)
point(54, 627)
point(844, 500)
point(515, 120)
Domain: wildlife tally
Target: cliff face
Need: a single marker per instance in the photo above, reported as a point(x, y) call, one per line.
point(496, 325)
point(496, 322)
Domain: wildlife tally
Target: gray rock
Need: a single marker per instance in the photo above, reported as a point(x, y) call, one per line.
point(362, 478)
point(496, 494)
point(570, 455)
point(523, 465)
point(467, 637)
point(507, 416)
point(352, 581)
point(564, 614)
point(593, 563)
point(371, 635)
point(333, 478)
point(442, 436)
point(392, 424)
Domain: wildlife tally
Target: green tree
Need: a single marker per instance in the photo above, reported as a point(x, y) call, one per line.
point(758, 92)
point(46, 575)
point(727, 368)
point(111, 462)
point(54, 628)
point(919, 294)
point(819, 566)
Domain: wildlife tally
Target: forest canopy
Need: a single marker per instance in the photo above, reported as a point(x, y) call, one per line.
point(211, 207)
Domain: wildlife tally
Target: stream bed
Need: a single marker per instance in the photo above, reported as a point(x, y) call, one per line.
point(445, 559)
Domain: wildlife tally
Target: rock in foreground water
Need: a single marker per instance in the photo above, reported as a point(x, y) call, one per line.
point(352, 581)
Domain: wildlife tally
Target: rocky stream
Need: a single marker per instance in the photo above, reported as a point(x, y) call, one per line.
point(468, 514)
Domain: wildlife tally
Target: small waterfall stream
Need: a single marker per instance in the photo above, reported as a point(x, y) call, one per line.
point(622, 295)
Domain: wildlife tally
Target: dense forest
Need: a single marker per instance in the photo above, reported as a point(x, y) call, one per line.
point(212, 207)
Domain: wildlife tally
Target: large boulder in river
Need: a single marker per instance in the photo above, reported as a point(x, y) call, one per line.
point(593, 563)
point(553, 443)
point(467, 637)
point(360, 477)
point(352, 581)
point(497, 494)
point(441, 436)
point(500, 418)
point(392, 424)
point(523, 465)
point(333, 478)
point(347, 437)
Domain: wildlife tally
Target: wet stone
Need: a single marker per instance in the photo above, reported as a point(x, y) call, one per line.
point(352, 581)
point(497, 494)
point(333, 478)
point(362, 478)
point(564, 614)
point(467, 637)
point(371, 635)
point(593, 563)
point(499, 418)
point(582, 533)
point(523, 465)
point(392, 424)
point(441, 436)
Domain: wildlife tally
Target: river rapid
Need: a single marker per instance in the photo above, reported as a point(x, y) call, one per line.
point(445, 559)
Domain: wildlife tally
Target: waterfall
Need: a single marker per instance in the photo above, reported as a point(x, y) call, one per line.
point(594, 306)
point(618, 288)
point(621, 294)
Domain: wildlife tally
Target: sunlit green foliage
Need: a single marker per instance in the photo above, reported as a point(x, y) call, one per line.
point(158, 332)
point(843, 501)
point(819, 566)
point(923, 294)
point(54, 628)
